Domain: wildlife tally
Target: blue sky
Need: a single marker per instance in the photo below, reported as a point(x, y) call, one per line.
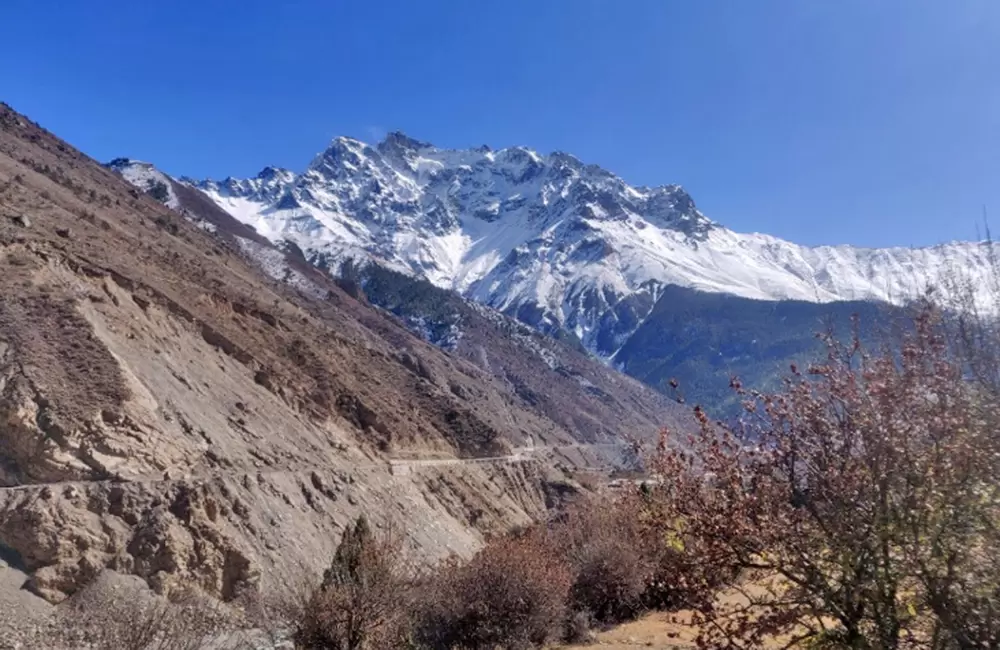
point(848, 121)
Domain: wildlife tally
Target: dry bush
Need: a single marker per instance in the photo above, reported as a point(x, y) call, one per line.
point(122, 619)
point(861, 504)
point(578, 628)
point(512, 594)
point(611, 560)
point(966, 604)
point(610, 581)
point(621, 565)
point(361, 603)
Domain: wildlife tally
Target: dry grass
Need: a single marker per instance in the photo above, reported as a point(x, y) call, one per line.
point(660, 631)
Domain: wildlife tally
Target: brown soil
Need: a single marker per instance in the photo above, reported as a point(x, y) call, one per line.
point(666, 630)
point(659, 631)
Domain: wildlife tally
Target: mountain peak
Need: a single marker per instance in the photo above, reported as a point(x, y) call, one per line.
point(520, 153)
point(563, 158)
point(345, 141)
point(343, 155)
point(341, 145)
point(398, 139)
point(272, 172)
point(391, 201)
point(672, 206)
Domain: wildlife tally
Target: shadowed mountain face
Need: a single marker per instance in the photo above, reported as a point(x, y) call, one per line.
point(702, 340)
point(182, 400)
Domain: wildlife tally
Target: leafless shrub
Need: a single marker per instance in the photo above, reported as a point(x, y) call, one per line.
point(274, 614)
point(118, 619)
point(860, 503)
point(966, 603)
point(510, 595)
point(361, 603)
point(578, 628)
point(610, 558)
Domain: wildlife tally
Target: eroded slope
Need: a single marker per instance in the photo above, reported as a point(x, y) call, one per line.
point(169, 411)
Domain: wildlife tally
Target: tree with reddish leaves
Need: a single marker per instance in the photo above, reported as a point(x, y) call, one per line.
point(858, 506)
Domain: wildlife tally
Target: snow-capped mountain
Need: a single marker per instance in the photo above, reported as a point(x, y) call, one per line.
point(147, 178)
point(558, 243)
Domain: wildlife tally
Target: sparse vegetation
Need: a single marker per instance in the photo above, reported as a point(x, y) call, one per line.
point(117, 619)
point(350, 279)
point(595, 565)
point(434, 311)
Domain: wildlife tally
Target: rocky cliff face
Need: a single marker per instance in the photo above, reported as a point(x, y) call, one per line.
point(170, 409)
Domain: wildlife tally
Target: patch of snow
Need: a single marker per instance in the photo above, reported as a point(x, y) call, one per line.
point(275, 265)
point(146, 177)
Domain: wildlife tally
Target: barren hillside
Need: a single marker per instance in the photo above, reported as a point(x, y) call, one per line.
point(169, 409)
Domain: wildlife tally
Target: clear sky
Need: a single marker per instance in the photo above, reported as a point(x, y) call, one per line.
point(873, 122)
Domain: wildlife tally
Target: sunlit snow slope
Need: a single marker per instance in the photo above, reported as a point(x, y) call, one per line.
point(549, 239)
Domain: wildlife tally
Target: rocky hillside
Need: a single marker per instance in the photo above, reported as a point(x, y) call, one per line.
point(183, 401)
